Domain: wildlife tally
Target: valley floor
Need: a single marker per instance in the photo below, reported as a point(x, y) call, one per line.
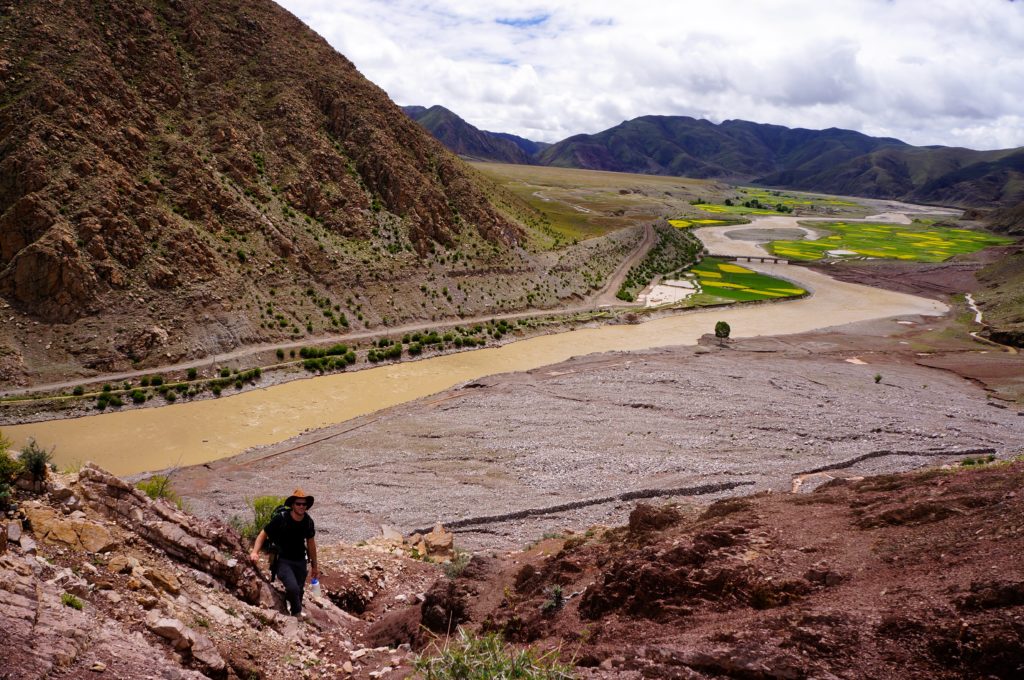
point(507, 458)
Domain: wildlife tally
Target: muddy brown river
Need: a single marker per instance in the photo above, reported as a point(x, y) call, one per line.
point(134, 441)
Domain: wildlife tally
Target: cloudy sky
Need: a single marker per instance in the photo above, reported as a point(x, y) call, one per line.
point(926, 71)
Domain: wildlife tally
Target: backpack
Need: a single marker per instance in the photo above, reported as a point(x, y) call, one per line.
point(272, 545)
point(273, 540)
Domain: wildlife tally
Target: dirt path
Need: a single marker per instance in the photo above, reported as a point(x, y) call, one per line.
point(606, 296)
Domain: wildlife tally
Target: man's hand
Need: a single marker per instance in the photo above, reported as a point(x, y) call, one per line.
point(254, 556)
point(315, 572)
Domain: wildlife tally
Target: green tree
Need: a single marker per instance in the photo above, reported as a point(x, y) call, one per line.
point(34, 460)
point(722, 331)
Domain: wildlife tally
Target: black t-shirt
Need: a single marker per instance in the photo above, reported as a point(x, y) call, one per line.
point(290, 536)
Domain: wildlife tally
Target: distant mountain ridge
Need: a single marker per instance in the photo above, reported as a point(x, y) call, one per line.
point(469, 141)
point(832, 161)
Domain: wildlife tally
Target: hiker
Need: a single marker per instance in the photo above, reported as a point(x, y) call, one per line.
point(291, 535)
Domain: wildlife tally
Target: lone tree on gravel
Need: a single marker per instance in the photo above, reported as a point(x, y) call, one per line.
point(722, 331)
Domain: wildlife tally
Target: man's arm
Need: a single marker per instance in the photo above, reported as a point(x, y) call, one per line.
point(255, 554)
point(311, 548)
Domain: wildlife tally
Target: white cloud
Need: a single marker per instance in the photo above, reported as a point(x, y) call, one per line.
point(926, 71)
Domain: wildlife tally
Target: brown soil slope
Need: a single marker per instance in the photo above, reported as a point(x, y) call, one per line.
point(903, 576)
point(179, 178)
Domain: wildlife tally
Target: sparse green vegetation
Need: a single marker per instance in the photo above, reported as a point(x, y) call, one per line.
point(69, 600)
point(9, 470)
point(158, 487)
point(460, 560)
point(468, 657)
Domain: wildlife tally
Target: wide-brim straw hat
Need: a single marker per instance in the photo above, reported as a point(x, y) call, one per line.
point(299, 493)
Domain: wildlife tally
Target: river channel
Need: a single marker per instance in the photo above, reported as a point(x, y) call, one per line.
point(135, 441)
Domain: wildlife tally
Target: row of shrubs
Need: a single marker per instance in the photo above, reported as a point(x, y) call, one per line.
point(171, 391)
point(329, 363)
point(314, 359)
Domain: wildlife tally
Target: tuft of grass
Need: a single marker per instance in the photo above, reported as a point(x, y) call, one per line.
point(157, 487)
point(458, 564)
point(69, 600)
point(486, 656)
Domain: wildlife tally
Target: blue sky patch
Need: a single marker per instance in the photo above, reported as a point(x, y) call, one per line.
point(524, 22)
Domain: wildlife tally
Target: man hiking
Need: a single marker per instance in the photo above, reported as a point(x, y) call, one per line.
point(291, 533)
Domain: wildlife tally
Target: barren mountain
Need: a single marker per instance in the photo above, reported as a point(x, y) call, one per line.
point(180, 178)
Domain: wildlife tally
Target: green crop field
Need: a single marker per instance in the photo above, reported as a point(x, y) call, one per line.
point(720, 279)
point(921, 241)
point(701, 222)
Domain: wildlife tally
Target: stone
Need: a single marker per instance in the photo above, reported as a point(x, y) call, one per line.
point(3, 538)
point(94, 538)
point(347, 667)
point(164, 580)
point(172, 630)
point(206, 653)
point(98, 667)
point(389, 533)
point(122, 564)
point(28, 546)
point(61, 532)
point(439, 541)
point(58, 490)
point(14, 530)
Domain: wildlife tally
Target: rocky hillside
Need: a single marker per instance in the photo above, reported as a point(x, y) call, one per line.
point(914, 575)
point(904, 576)
point(95, 576)
point(181, 178)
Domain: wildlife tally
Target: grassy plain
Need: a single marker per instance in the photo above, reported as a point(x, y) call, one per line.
point(721, 279)
point(764, 202)
point(922, 241)
point(581, 204)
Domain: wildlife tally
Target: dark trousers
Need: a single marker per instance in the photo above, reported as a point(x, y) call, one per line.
point(293, 576)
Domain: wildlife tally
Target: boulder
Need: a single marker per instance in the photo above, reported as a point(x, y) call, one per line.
point(76, 532)
point(439, 541)
point(172, 630)
point(14, 530)
point(94, 538)
point(122, 564)
point(164, 580)
point(207, 655)
point(28, 546)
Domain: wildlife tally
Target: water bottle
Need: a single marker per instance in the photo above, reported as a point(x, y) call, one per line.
point(314, 587)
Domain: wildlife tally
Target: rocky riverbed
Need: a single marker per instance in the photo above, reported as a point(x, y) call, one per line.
point(505, 459)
